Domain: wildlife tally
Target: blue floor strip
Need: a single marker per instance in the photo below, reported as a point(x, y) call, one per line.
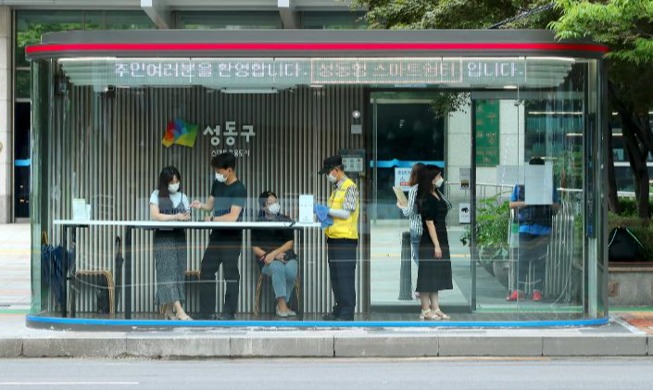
point(315, 324)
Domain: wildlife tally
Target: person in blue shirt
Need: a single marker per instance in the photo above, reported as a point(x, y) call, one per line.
point(535, 223)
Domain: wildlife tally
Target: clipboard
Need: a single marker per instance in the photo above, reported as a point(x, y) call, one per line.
point(401, 197)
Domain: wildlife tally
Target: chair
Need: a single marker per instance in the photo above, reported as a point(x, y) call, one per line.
point(108, 275)
point(92, 276)
point(264, 279)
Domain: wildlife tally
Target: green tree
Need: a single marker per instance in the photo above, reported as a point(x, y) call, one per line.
point(626, 26)
point(456, 14)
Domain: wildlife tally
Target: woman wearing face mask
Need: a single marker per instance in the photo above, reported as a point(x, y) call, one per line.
point(273, 250)
point(434, 272)
point(168, 203)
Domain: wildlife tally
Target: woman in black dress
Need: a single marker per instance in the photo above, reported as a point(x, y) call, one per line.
point(434, 270)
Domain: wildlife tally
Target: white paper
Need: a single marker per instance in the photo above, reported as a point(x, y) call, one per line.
point(79, 209)
point(305, 208)
point(538, 184)
point(402, 178)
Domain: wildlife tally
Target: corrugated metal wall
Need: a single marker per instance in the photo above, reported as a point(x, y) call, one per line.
point(106, 147)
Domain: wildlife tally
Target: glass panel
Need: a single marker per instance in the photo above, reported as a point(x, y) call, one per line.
point(23, 84)
point(532, 241)
point(117, 20)
point(228, 20)
point(406, 132)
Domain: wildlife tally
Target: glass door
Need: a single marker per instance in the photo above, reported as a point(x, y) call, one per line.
point(406, 131)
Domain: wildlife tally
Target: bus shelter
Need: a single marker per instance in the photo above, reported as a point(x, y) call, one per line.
point(112, 108)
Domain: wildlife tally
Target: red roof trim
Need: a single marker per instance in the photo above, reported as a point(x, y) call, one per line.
point(309, 46)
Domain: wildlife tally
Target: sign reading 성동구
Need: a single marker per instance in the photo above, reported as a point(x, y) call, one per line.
point(243, 72)
point(223, 138)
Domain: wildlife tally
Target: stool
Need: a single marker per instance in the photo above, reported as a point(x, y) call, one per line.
point(107, 275)
point(262, 278)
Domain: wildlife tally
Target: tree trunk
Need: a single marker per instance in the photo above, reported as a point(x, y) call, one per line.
point(613, 198)
point(637, 154)
point(638, 142)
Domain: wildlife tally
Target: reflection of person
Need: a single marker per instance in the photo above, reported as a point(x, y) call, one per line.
point(434, 272)
point(226, 203)
point(342, 239)
point(167, 203)
point(534, 233)
point(273, 250)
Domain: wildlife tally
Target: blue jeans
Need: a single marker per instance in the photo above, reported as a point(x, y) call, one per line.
point(414, 247)
point(283, 277)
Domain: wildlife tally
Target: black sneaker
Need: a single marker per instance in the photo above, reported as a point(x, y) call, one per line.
point(330, 317)
point(345, 318)
point(227, 317)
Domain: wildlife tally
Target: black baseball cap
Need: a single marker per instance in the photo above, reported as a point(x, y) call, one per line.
point(329, 163)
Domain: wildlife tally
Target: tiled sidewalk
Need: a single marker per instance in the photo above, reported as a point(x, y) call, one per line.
point(14, 267)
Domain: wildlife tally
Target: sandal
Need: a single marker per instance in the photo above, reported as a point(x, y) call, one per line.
point(428, 315)
point(183, 317)
point(441, 315)
point(167, 312)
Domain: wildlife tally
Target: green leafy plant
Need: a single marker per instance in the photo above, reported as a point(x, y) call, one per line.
point(492, 222)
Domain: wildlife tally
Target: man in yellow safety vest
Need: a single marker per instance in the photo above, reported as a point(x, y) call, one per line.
point(342, 238)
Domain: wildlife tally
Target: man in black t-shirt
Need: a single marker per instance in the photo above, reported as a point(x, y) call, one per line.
point(226, 204)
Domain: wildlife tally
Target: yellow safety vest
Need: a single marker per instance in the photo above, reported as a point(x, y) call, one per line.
point(343, 228)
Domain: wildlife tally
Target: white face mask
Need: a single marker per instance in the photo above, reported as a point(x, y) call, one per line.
point(274, 208)
point(331, 178)
point(220, 178)
point(173, 188)
point(439, 182)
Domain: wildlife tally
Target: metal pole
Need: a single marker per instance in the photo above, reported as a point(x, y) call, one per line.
point(404, 271)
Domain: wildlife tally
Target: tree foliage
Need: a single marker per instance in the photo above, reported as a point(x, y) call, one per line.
point(626, 26)
point(453, 14)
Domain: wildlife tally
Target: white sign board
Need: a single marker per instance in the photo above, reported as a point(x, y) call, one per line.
point(402, 178)
point(305, 208)
point(464, 213)
point(81, 211)
point(538, 184)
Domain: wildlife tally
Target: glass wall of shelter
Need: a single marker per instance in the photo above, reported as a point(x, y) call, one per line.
point(513, 119)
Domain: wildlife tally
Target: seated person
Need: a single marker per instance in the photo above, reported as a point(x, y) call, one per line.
point(273, 250)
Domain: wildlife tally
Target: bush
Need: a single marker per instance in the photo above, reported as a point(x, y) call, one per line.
point(629, 207)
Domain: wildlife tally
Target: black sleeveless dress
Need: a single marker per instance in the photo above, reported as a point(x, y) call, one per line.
point(434, 274)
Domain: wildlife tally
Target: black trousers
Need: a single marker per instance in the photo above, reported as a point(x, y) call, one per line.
point(342, 269)
point(223, 249)
point(532, 253)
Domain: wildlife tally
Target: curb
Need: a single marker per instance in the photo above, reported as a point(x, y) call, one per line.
point(323, 345)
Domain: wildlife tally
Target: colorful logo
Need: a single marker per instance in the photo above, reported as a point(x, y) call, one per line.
point(180, 133)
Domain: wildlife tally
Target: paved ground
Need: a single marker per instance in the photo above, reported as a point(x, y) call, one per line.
point(629, 332)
